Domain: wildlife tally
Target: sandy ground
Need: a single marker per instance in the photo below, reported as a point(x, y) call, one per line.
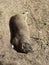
point(38, 21)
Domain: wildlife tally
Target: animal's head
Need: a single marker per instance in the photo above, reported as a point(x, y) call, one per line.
point(21, 16)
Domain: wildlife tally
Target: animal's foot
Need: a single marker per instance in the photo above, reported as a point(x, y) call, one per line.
point(25, 48)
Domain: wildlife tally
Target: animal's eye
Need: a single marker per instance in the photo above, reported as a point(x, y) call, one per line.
point(23, 13)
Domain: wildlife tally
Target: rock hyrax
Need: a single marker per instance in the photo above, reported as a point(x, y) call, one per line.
point(20, 33)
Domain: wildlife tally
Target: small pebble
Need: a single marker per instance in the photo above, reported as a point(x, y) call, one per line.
point(12, 46)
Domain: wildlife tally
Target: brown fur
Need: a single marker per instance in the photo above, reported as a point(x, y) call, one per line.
point(20, 33)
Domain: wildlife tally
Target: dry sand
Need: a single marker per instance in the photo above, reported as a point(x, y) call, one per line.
point(38, 21)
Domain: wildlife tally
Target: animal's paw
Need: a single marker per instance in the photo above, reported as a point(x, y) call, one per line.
point(25, 48)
